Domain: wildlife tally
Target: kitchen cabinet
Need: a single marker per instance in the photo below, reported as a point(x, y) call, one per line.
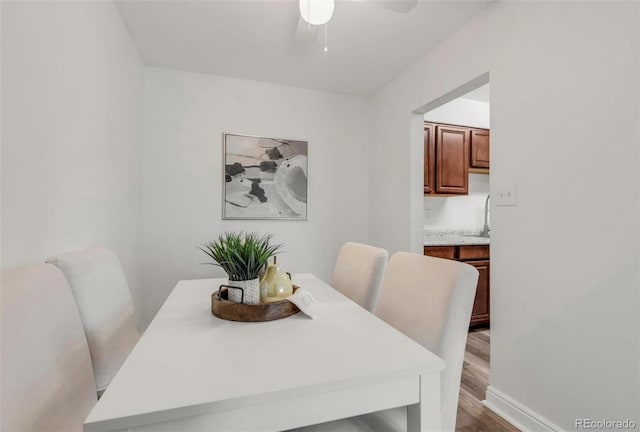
point(452, 160)
point(472, 252)
point(479, 148)
point(480, 312)
point(479, 257)
point(446, 252)
point(429, 158)
point(446, 159)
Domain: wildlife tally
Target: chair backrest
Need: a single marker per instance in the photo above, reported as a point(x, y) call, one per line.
point(47, 378)
point(430, 300)
point(106, 309)
point(358, 272)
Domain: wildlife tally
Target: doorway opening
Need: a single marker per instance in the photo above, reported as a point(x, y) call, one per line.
point(456, 214)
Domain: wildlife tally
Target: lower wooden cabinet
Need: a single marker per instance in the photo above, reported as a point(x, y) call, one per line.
point(480, 313)
point(479, 257)
point(446, 252)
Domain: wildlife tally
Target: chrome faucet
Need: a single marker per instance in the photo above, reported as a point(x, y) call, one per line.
point(485, 228)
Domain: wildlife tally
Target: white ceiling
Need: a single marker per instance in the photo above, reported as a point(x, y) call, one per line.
point(368, 46)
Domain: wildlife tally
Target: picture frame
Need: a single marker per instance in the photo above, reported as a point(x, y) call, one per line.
point(264, 178)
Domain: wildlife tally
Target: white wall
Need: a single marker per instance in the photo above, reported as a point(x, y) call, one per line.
point(568, 95)
point(564, 274)
point(463, 112)
point(71, 132)
point(185, 116)
point(458, 212)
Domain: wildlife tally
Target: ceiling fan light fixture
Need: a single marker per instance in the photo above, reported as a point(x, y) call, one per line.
point(316, 12)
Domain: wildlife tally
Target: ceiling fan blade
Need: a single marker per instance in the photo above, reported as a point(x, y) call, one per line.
point(402, 6)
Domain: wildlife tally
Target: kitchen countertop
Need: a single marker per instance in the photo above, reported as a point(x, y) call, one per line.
point(454, 237)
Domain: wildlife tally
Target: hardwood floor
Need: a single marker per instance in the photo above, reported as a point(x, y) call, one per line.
point(473, 416)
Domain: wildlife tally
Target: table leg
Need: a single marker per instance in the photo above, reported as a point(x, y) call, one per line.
point(426, 415)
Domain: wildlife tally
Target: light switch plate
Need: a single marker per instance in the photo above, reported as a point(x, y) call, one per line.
point(506, 195)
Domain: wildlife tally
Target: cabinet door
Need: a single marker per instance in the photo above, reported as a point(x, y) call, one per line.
point(480, 313)
point(473, 252)
point(479, 148)
point(446, 252)
point(452, 160)
point(429, 158)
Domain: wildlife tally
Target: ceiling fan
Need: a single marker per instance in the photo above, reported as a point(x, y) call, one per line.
point(316, 13)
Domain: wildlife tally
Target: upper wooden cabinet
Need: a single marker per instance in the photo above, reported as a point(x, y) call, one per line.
point(452, 160)
point(479, 148)
point(429, 158)
point(449, 153)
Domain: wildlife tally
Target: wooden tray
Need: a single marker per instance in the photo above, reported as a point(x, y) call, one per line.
point(232, 311)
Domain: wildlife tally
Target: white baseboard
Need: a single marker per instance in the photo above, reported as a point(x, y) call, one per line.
point(517, 414)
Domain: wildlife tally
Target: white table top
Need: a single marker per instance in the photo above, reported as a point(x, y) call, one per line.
point(189, 362)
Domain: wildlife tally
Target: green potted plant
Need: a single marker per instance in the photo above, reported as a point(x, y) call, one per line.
point(242, 256)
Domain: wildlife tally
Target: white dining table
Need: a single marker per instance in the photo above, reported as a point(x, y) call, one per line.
point(192, 371)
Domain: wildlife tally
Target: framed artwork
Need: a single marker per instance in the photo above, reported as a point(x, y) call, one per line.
point(264, 178)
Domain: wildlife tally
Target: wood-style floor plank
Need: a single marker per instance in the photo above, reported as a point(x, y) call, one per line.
point(473, 416)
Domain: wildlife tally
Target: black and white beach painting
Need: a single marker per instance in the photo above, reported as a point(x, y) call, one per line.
point(265, 178)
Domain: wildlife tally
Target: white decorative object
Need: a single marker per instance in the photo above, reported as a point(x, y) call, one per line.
point(306, 302)
point(316, 12)
point(251, 289)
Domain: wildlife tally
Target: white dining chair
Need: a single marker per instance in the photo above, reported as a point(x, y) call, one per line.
point(47, 378)
point(358, 272)
point(430, 300)
point(106, 309)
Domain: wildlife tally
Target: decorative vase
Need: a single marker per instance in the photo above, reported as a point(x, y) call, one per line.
point(251, 290)
point(275, 285)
